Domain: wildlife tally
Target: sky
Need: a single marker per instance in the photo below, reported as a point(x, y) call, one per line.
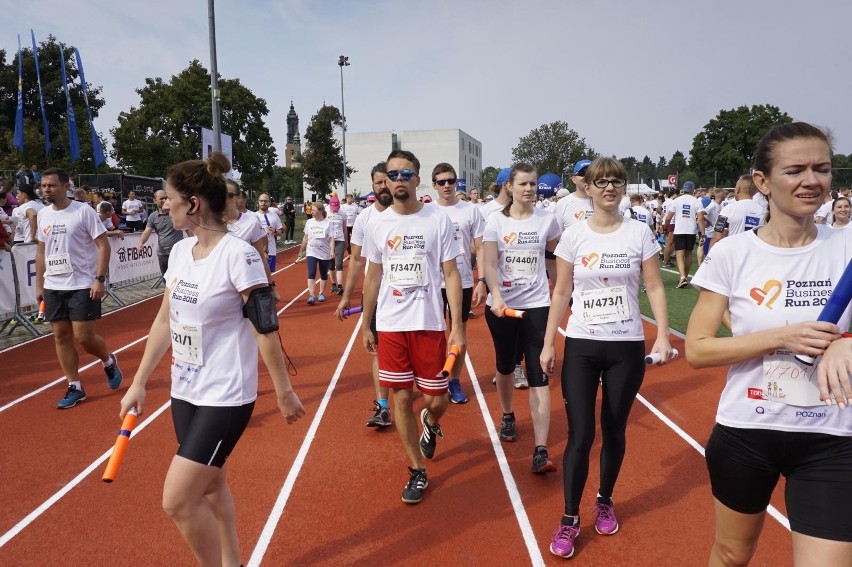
point(632, 77)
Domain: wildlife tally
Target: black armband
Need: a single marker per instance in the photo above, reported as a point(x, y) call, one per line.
point(721, 224)
point(260, 310)
point(548, 255)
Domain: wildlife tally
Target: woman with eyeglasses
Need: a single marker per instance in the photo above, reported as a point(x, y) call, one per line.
point(317, 247)
point(514, 244)
point(840, 210)
point(598, 267)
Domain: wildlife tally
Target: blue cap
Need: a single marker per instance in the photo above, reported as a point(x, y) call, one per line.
point(580, 166)
point(503, 176)
point(688, 187)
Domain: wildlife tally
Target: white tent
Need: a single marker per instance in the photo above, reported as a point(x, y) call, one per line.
point(641, 188)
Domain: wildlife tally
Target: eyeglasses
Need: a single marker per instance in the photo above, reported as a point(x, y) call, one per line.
point(404, 174)
point(602, 183)
point(444, 182)
point(231, 195)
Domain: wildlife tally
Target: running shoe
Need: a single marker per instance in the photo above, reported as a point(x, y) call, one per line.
point(682, 283)
point(321, 297)
point(113, 373)
point(507, 428)
point(605, 523)
point(311, 300)
point(456, 393)
point(562, 542)
point(494, 380)
point(417, 483)
point(541, 462)
point(381, 416)
point(340, 290)
point(520, 378)
point(470, 314)
point(72, 396)
point(428, 438)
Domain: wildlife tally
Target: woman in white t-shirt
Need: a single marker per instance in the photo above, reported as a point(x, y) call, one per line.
point(514, 244)
point(317, 246)
point(337, 220)
point(777, 415)
point(211, 276)
point(599, 264)
point(840, 210)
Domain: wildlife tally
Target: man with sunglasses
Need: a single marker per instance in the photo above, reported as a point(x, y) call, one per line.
point(577, 206)
point(160, 223)
point(469, 228)
point(408, 247)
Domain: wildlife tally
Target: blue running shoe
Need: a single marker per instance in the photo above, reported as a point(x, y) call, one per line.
point(113, 374)
point(311, 300)
point(321, 297)
point(72, 396)
point(456, 394)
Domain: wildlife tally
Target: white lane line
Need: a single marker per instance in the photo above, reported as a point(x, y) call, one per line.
point(74, 482)
point(509, 480)
point(290, 481)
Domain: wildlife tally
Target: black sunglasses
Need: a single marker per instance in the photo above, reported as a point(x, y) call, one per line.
point(444, 182)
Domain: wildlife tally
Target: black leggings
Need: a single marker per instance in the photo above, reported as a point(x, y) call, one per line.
point(623, 367)
point(515, 339)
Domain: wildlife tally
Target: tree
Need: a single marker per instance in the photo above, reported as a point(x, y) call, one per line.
point(165, 128)
point(662, 167)
point(488, 176)
point(724, 149)
point(322, 159)
point(841, 170)
point(283, 182)
point(552, 148)
point(54, 106)
point(677, 163)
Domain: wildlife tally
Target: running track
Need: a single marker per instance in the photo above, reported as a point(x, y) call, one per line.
point(326, 491)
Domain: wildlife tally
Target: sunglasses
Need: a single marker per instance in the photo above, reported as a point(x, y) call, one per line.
point(404, 174)
point(444, 182)
point(602, 183)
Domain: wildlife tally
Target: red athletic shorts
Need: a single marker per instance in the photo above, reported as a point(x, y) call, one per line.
point(413, 357)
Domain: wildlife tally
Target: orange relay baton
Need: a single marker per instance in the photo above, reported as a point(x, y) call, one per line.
point(451, 360)
point(516, 313)
point(120, 445)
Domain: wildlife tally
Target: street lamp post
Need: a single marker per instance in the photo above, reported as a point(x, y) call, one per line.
point(343, 61)
point(214, 79)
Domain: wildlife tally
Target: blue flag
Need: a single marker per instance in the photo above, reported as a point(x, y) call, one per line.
point(96, 142)
point(73, 139)
point(41, 99)
point(19, 113)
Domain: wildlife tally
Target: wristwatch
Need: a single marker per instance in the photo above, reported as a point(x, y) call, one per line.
point(271, 284)
point(481, 280)
point(101, 279)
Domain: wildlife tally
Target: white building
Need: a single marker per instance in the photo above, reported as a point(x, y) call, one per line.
point(365, 149)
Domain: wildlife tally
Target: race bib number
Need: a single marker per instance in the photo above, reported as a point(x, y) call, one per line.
point(186, 343)
point(407, 271)
point(520, 263)
point(605, 305)
point(789, 381)
point(58, 264)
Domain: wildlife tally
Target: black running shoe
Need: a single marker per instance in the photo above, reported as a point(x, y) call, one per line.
point(429, 436)
point(541, 463)
point(381, 416)
point(507, 428)
point(417, 483)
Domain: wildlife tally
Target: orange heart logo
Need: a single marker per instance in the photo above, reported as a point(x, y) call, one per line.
point(510, 238)
point(590, 260)
point(47, 229)
point(579, 214)
point(394, 244)
point(767, 294)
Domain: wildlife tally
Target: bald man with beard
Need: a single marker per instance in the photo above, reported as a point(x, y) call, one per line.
point(271, 222)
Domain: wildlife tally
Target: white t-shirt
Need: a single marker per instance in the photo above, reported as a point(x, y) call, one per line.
point(411, 250)
point(338, 223)
point(350, 212)
point(318, 233)
point(468, 224)
point(767, 288)
point(641, 214)
point(270, 219)
point(134, 209)
point(205, 306)
point(247, 228)
point(742, 215)
point(69, 250)
point(357, 237)
point(570, 210)
point(275, 210)
point(624, 204)
point(667, 206)
point(521, 273)
point(607, 268)
point(711, 215)
point(22, 221)
point(825, 212)
point(686, 209)
point(491, 207)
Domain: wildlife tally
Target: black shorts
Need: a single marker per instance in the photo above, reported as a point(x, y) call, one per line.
point(684, 242)
point(208, 434)
point(512, 337)
point(745, 464)
point(467, 299)
point(71, 305)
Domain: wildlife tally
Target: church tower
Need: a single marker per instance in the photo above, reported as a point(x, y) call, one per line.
point(294, 142)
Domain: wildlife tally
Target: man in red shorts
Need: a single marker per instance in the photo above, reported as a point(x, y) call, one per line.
point(408, 246)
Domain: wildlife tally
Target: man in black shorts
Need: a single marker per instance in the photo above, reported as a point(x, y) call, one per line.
point(72, 260)
point(687, 215)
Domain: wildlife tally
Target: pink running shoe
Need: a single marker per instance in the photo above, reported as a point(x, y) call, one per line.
point(562, 542)
point(605, 523)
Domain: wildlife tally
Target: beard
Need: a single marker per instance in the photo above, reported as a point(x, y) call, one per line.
point(384, 198)
point(401, 195)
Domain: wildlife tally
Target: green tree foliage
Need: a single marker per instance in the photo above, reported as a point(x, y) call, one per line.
point(488, 176)
point(725, 147)
point(552, 148)
point(662, 167)
point(322, 159)
point(165, 128)
point(283, 182)
point(841, 170)
point(54, 105)
point(677, 163)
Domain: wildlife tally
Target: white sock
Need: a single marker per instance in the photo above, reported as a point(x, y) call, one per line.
point(110, 361)
point(77, 385)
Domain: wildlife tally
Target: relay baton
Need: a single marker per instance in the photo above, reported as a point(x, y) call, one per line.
point(834, 307)
point(516, 313)
point(352, 311)
point(451, 360)
point(121, 442)
point(654, 357)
